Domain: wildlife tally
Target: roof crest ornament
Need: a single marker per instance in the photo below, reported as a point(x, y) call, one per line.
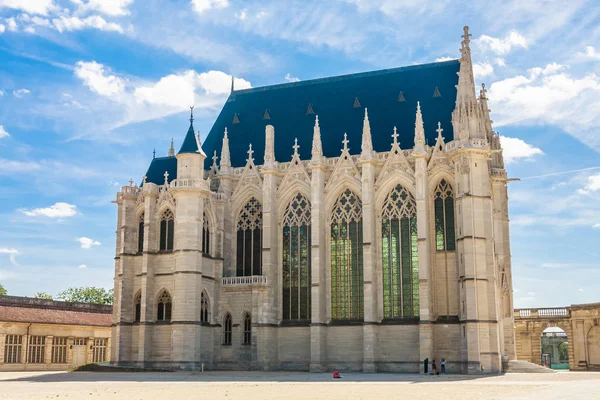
point(214, 158)
point(166, 175)
point(345, 142)
point(153, 154)
point(295, 147)
point(191, 115)
point(225, 157)
point(317, 149)
point(250, 159)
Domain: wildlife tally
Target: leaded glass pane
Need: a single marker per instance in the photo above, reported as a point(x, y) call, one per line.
point(450, 235)
point(444, 217)
point(249, 249)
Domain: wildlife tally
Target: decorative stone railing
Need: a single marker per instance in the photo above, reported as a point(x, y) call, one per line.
point(218, 196)
point(498, 173)
point(561, 312)
point(479, 143)
point(190, 183)
point(244, 280)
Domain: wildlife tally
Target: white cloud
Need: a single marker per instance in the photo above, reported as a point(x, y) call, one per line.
point(29, 29)
point(114, 8)
point(481, 70)
point(554, 265)
point(593, 184)
point(204, 5)
point(87, 243)
point(96, 77)
point(11, 24)
point(501, 46)
point(20, 93)
point(12, 253)
point(550, 95)
point(590, 52)
point(291, 78)
point(82, 266)
point(580, 290)
point(29, 6)
point(500, 62)
point(75, 23)
point(1, 93)
point(515, 149)
point(441, 59)
point(3, 132)
point(596, 226)
point(57, 210)
point(2, 29)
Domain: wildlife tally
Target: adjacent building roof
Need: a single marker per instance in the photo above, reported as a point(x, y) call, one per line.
point(38, 311)
point(157, 168)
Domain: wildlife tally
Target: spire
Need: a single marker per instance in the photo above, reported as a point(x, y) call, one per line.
point(171, 149)
point(466, 86)
point(225, 160)
point(232, 83)
point(367, 142)
point(419, 130)
point(439, 131)
point(190, 143)
point(269, 145)
point(317, 149)
point(153, 154)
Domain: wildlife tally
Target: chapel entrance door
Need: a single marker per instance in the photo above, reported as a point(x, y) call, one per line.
point(79, 351)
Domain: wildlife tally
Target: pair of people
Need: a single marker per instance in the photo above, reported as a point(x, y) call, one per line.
point(434, 366)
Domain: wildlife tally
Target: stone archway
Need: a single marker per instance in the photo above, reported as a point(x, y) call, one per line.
point(554, 348)
point(593, 347)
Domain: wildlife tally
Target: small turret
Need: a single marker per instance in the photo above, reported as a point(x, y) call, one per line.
point(190, 158)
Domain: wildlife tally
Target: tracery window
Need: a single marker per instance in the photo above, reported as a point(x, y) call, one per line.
point(347, 257)
point(443, 205)
point(164, 307)
point(247, 329)
point(227, 331)
point(249, 239)
point(141, 233)
point(296, 260)
point(204, 308)
point(138, 306)
point(167, 230)
point(205, 235)
point(400, 255)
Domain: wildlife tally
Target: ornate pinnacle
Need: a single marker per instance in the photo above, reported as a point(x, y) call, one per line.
point(191, 114)
point(395, 136)
point(419, 129)
point(130, 182)
point(439, 130)
point(171, 149)
point(317, 149)
point(166, 175)
point(367, 142)
point(214, 158)
point(250, 159)
point(225, 157)
point(345, 142)
point(269, 144)
point(295, 147)
point(483, 92)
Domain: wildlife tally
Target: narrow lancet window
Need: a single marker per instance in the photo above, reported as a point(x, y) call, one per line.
point(164, 307)
point(347, 258)
point(205, 235)
point(296, 259)
point(227, 329)
point(249, 239)
point(443, 204)
point(138, 307)
point(399, 255)
point(141, 233)
point(247, 329)
point(167, 230)
point(204, 308)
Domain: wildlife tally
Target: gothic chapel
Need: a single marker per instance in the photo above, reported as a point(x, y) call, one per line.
point(356, 222)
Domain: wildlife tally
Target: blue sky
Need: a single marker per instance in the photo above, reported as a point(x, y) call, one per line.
point(90, 87)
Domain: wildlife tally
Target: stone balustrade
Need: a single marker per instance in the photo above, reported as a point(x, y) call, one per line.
point(542, 312)
point(244, 280)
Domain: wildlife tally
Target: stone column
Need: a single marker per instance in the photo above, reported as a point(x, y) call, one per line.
point(424, 254)
point(2, 340)
point(318, 328)
point(371, 317)
point(48, 349)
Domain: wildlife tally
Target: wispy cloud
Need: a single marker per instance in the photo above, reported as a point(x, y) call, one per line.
point(3, 133)
point(20, 93)
point(501, 46)
point(12, 253)
point(57, 210)
point(201, 6)
point(592, 185)
point(290, 78)
point(30, 6)
point(82, 266)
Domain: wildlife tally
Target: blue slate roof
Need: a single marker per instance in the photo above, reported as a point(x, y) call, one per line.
point(339, 102)
point(189, 144)
point(157, 168)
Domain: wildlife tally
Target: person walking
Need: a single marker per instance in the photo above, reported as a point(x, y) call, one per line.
point(433, 368)
point(443, 365)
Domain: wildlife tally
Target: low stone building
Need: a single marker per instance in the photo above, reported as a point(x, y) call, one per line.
point(37, 334)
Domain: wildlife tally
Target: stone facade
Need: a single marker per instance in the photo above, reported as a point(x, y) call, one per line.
point(455, 296)
point(46, 335)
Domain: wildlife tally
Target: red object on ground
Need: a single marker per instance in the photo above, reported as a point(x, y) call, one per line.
point(336, 374)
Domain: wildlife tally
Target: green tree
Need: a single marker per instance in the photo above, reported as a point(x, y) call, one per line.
point(42, 295)
point(563, 351)
point(3, 292)
point(87, 295)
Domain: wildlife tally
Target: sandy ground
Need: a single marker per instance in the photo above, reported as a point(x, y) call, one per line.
point(254, 385)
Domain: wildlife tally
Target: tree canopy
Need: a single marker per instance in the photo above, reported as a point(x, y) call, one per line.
point(3, 292)
point(42, 295)
point(87, 295)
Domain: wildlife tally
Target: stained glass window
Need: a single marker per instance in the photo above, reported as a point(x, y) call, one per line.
point(400, 255)
point(443, 205)
point(347, 257)
point(141, 233)
point(167, 230)
point(204, 308)
point(164, 307)
point(296, 259)
point(205, 235)
point(227, 325)
point(249, 239)
point(138, 307)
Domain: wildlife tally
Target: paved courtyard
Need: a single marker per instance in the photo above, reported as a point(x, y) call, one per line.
point(254, 385)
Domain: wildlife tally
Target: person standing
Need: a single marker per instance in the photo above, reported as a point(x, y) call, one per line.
point(433, 368)
point(426, 366)
point(443, 366)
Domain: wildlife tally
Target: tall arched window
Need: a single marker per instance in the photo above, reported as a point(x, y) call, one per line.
point(347, 257)
point(444, 217)
point(164, 307)
point(296, 260)
point(249, 239)
point(247, 329)
point(399, 255)
point(204, 308)
point(138, 306)
point(167, 230)
point(205, 235)
point(141, 233)
point(227, 325)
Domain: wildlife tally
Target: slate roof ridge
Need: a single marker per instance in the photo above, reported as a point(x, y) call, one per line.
point(343, 77)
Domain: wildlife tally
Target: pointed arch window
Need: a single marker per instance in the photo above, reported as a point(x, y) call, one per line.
point(204, 308)
point(138, 306)
point(347, 257)
point(443, 204)
point(164, 307)
point(205, 235)
point(296, 259)
point(400, 255)
point(249, 239)
point(227, 329)
point(141, 233)
point(167, 230)
point(247, 329)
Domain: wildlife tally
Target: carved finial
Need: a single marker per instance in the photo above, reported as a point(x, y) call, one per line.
point(191, 114)
point(295, 147)
point(317, 149)
point(466, 37)
point(269, 145)
point(153, 154)
point(214, 158)
point(483, 92)
point(171, 149)
point(395, 136)
point(419, 129)
point(225, 157)
point(367, 142)
point(144, 180)
point(130, 182)
point(439, 129)
point(345, 142)
point(250, 159)
point(166, 175)
point(466, 86)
